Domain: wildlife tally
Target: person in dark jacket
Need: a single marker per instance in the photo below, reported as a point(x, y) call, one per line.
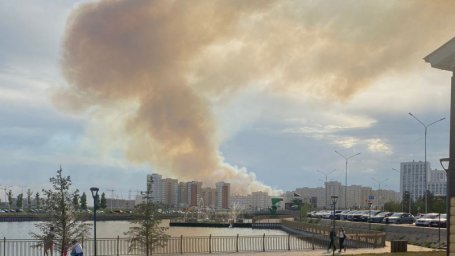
point(332, 236)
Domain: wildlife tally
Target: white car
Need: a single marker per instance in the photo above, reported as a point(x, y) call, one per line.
point(426, 219)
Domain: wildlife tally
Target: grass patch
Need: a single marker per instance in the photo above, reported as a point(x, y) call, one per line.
point(379, 228)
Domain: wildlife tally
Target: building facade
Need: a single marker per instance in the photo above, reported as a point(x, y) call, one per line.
point(357, 196)
point(223, 195)
point(194, 193)
point(437, 182)
point(154, 185)
point(208, 197)
point(413, 179)
point(169, 192)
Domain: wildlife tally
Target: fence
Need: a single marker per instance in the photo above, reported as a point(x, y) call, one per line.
point(372, 239)
point(177, 245)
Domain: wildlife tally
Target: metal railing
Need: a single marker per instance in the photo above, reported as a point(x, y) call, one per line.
point(177, 245)
point(356, 239)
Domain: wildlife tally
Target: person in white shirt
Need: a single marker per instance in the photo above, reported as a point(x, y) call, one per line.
point(342, 236)
point(76, 249)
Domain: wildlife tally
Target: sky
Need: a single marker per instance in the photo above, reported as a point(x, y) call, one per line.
point(256, 93)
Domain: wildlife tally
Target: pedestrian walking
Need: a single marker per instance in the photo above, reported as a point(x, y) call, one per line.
point(76, 249)
point(342, 237)
point(332, 236)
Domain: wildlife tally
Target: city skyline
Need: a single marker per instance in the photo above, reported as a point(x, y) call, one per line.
point(269, 93)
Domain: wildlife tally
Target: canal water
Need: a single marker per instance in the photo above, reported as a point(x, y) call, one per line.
point(112, 229)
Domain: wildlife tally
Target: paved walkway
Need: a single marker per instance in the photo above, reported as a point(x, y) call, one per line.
point(411, 248)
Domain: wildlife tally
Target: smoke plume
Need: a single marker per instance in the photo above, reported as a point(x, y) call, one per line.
point(157, 65)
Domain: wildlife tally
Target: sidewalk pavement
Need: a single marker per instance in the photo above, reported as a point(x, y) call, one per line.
point(386, 249)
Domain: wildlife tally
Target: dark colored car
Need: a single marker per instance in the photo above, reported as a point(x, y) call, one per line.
point(368, 214)
point(358, 215)
point(399, 218)
point(337, 215)
point(351, 214)
point(380, 216)
point(344, 214)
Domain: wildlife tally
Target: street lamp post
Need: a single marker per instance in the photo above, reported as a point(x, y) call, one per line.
point(446, 169)
point(369, 215)
point(346, 177)
point(425, 163)
point(96, 200)
point(334, 202)
point(379, 189)
point(326, 174)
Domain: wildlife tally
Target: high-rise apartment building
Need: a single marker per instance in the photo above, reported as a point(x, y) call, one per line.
point(241, 201)
point(194, 193)
point(169, 192)
point(357, 196)
point(183, 194)
point(223, 195)
point(208, 196)
point(414, 178)
point(260, 200)
point(437, 182)
point(154, 185)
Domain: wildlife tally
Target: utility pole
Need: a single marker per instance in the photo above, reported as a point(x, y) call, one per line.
point(346, 177)
point(425, 163)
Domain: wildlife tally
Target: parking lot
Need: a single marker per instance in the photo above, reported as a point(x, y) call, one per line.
point(429, 220)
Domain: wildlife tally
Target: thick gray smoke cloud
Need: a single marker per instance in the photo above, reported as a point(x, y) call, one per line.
point(165, 60)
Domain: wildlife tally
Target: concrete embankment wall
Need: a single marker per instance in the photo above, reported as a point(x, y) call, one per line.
point(422, 236)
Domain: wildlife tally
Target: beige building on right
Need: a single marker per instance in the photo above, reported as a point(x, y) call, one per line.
point(444, 58)
point(357, 196)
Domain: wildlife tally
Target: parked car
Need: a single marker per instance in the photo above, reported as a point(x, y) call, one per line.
point(380, 216)
point(426, 219)
point(311, 214)
point(344, 214)
point(365, 217)
point(399, 218)
point(351, 214)
point(337, 215)
point(418, 216)
point(357, 216)
point(441, 221)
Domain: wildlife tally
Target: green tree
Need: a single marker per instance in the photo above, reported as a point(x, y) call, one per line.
point(392, 206)
point(439, 205)
point(10, 199)
point(145, 232)
point(37, 200)
point(76, 201)
point(19, 201)
point(62, 226)
point(103, 202)
point(407, 204)
point(29, 199)
point(83, 201)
